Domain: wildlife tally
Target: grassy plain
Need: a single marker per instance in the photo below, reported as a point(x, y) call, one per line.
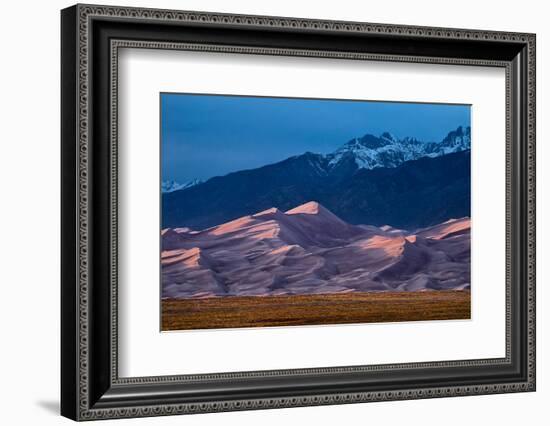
point(286, 310)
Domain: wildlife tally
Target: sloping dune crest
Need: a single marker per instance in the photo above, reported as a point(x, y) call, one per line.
point(309, 250)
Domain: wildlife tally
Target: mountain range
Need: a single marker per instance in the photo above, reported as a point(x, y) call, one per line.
point(310, 250)
point(371, 152)
point(372, 179)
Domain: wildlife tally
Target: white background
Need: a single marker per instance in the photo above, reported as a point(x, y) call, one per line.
point(141, 345)
point(29, 225)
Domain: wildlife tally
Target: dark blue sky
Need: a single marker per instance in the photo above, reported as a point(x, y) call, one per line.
point(209, 135)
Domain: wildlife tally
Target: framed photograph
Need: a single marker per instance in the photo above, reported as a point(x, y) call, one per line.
point(263, 212)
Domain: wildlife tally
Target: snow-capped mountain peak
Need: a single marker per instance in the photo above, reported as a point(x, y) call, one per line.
point(387, 136)
point(172, 185)
point(459, 138)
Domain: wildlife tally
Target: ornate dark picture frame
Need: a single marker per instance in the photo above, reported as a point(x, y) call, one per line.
point(90, 38)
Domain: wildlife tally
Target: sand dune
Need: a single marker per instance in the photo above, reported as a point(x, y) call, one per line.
point(309, 250)
point(447, 229)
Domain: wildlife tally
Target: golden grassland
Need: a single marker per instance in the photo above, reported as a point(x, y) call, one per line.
point(347, 308)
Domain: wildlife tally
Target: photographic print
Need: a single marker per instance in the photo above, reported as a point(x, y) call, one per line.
point(292, 211)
